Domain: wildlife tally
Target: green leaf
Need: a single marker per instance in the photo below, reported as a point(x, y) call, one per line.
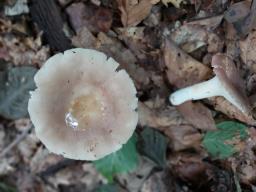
point(220, 143)
point(124, 160)
point(6, 188)
point(153, 146)
point(15, 84)
point(107, 188)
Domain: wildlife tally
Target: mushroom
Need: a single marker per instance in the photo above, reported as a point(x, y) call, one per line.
point(226, 83)
point(83, 107)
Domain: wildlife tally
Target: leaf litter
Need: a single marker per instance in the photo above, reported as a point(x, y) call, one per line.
point(164, 46)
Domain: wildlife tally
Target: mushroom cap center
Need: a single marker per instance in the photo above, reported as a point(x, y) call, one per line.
point(85, 110)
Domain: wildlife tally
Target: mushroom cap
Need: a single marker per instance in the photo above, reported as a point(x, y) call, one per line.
point(227, 73)
point(83, 108)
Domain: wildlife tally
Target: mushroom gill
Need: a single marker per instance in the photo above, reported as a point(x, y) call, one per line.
point(83, 108)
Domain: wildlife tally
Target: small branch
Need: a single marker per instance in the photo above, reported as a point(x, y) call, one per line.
point(16, 141)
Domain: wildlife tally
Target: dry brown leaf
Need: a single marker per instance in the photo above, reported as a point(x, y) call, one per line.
point(169, 121)
point(237, 11)
point(221, 104)
point(94, 18)
point(247, 48)
point(209, 23)
point(182, 69)
point(132, 13)
point(159, 118)
point(84, 38)
point(42, 159)
point(159, 181)
point(28, 147)
point(244, 164)
point(190, 37)
point(24, 51)
point(190, 168)
point(198, 115)
point(135, 179)
point(183, 137)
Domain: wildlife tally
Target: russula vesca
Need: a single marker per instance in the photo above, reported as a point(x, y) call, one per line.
point(226, 83)
point(83, 108)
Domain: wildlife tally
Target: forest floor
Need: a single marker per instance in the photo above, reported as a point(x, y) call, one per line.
point(164, 45)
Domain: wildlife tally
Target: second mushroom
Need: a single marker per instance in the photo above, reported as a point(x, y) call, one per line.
point(227, 83)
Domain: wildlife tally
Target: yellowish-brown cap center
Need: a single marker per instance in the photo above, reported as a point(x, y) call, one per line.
point(84, 111)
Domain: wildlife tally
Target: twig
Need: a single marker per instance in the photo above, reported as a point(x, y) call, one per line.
point(16, 141)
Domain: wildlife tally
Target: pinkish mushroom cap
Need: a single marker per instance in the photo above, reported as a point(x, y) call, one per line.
point(226, 83)
point(83, 108)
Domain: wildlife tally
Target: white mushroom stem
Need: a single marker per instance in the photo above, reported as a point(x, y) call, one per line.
point(210, 88)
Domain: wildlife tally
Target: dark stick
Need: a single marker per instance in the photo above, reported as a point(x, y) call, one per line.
point(48, 17)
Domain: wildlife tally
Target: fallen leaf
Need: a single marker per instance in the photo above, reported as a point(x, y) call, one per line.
point(182, 69)
point(183, 137)
point(221, 104)
point(23, 51)
point(237, 11)
point(153, 145)
point(133, 13)
point(208, 23)
point(158, 118)
point(84, 38)
point(135, 179)
point(198, 115)
point(189, 167)
point(247, 48)
point(94, 18)
point(190, 37)
point(223, 142)
point(28, 146)
point(18, 81)
point(161, 181)
point(122, 161)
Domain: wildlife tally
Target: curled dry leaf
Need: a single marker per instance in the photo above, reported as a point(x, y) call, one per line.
point(244, 163)
point(183, 137)
point(94, 18)
point(190, 37)
point(158, 118)
point(168, 120)
point(182, 69)
point(237, 11)
point(198, 115)
point(42, 160)
point(247, 48)
point(221, 104)
point(28, 147)
point(208, 23)
point(84, 38)
point(133, 12)
point(135, 179)
point(189, 168)
point(23, 51)
point(159, 181)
